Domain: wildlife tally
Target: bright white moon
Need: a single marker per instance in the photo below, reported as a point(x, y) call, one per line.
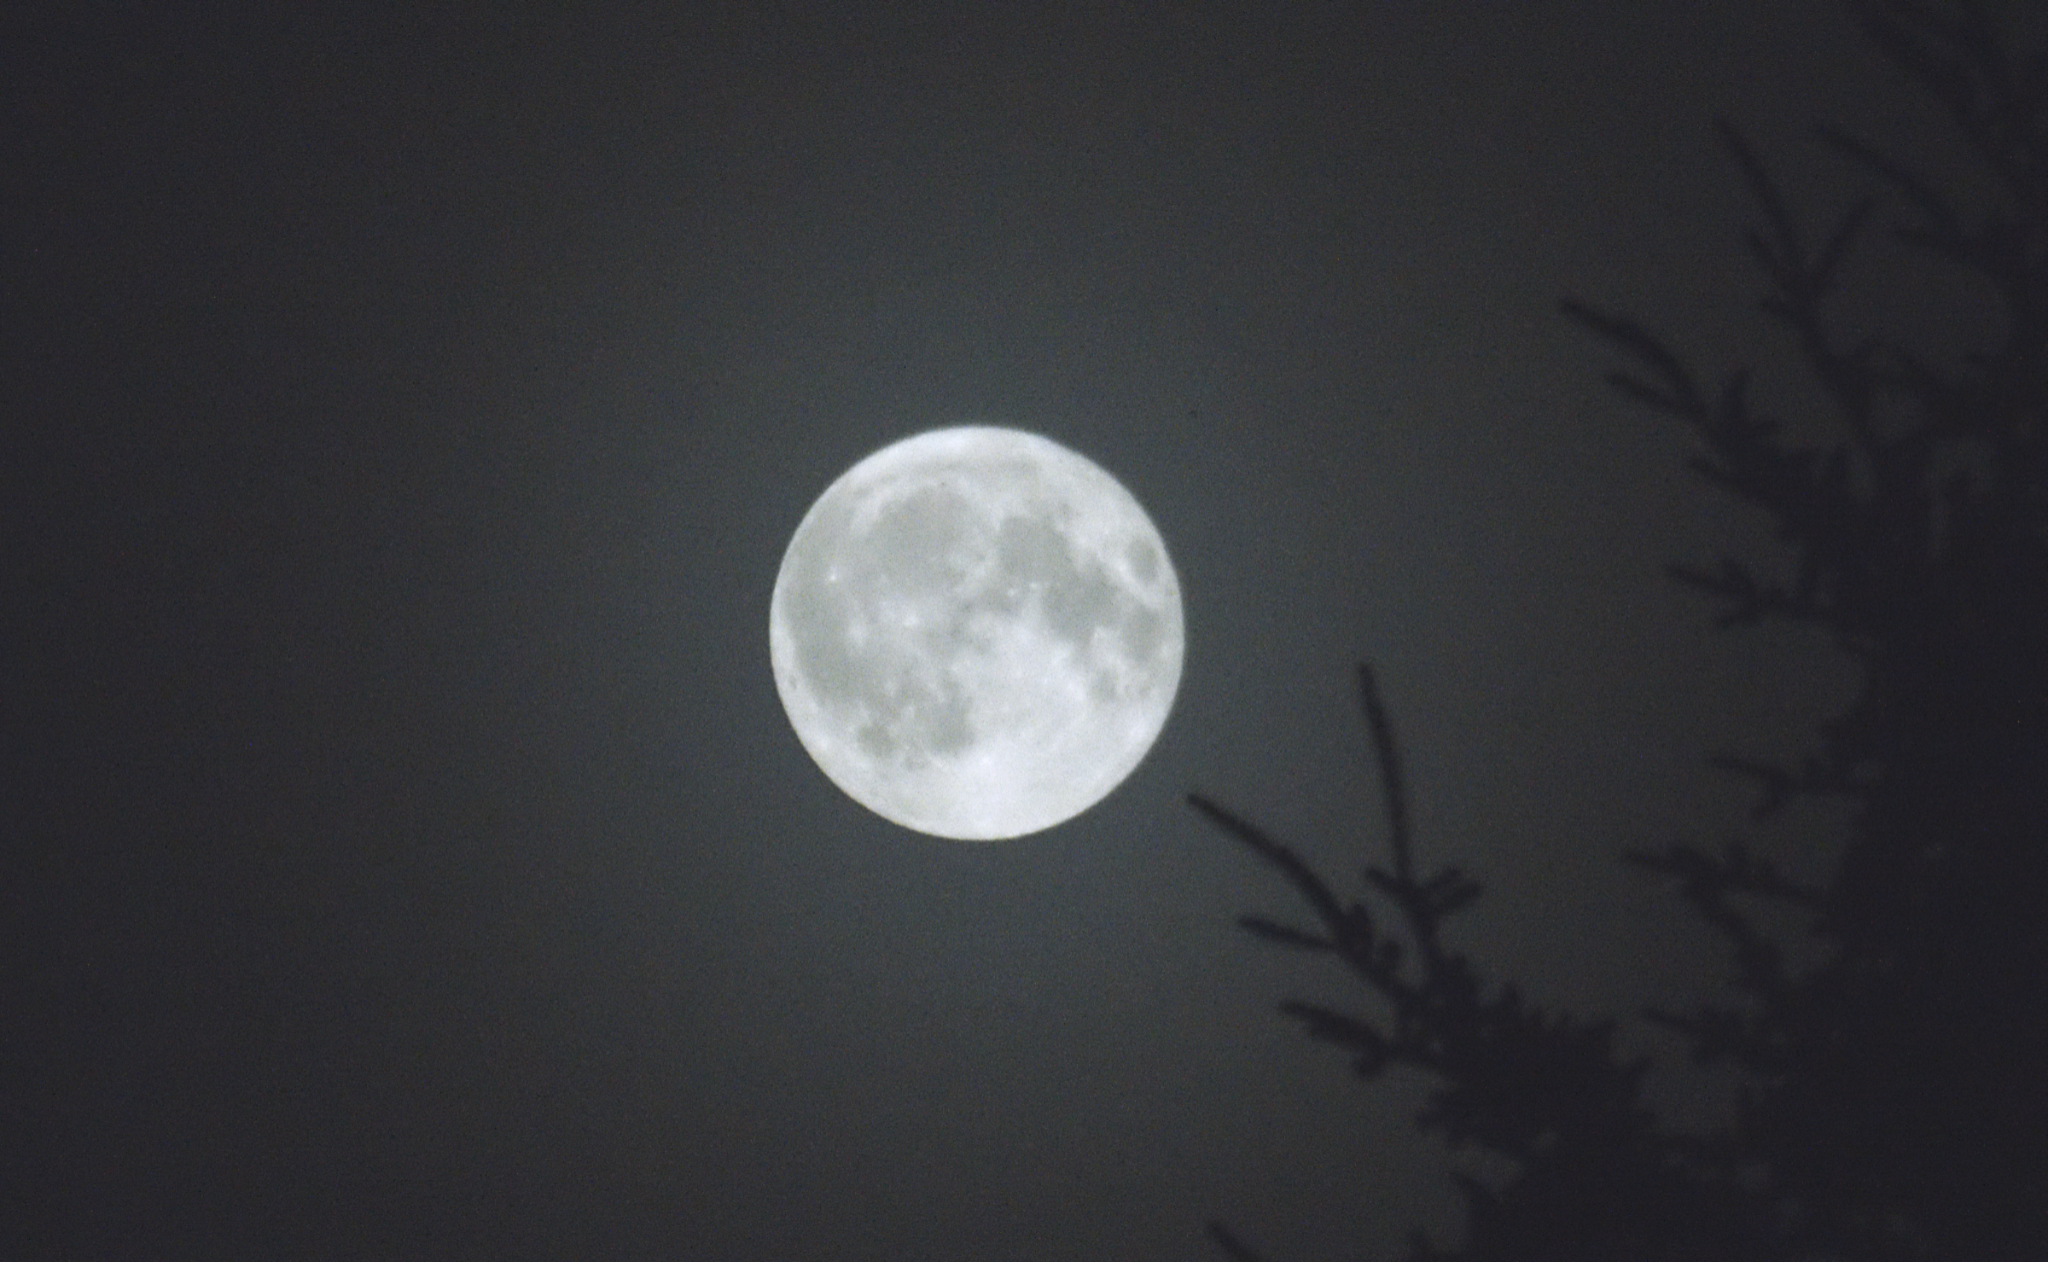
point(976, 633)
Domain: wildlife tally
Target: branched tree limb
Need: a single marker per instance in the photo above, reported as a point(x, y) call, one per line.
point(1891, 1107)
point(1548, 1091)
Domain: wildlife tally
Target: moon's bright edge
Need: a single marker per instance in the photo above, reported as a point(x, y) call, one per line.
point(976, 633)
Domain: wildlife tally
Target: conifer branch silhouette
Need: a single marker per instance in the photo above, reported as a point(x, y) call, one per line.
point(1547, 1090)
point(1890, 1107)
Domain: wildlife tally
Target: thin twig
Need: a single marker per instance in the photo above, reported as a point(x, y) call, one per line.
point(1237, 1249)
point(1391, 783)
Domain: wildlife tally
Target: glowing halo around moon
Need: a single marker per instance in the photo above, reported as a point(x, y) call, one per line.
point(976, 633)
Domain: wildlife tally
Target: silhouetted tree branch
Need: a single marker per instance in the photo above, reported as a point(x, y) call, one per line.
point(1234, 1248)
point(1891, 1106)
point(1546, 1090)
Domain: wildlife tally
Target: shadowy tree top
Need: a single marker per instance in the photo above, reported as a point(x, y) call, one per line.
point(1890, 1107)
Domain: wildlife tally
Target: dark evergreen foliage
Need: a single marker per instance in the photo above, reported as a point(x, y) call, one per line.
point(1893, 1104)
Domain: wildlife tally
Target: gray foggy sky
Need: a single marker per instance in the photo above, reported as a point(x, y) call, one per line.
point(413, 858)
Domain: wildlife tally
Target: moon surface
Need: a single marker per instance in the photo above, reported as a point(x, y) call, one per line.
point(976, 633)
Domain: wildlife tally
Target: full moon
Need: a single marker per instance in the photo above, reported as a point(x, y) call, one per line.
point(976, 633)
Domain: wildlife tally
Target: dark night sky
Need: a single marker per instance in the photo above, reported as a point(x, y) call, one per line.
point(406, 855)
